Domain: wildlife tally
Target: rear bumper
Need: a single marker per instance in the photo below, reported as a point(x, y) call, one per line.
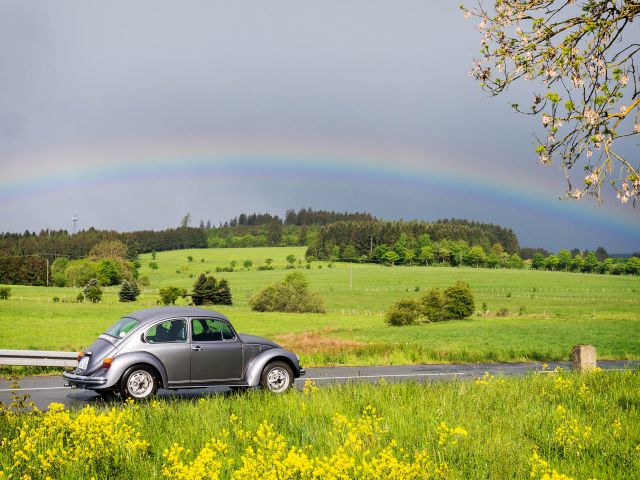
point(82, 381)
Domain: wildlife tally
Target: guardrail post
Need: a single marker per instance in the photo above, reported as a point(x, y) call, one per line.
point(583, 357)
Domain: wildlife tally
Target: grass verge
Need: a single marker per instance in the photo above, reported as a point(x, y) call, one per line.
point(584, 426)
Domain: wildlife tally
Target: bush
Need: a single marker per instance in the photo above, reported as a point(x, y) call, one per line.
point(453, 303)
point(503, 312)
point(153, 265)
point(405, 311)
point(5, 293)
point(80, 297)
point(144, 281)
point(129, 292)
point(433, 303)
point(169, 295)
point(92, 291)
point(290, 295)
point(459, 301)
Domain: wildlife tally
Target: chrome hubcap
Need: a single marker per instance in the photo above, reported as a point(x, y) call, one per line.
point(140, 384)
point(278, 379)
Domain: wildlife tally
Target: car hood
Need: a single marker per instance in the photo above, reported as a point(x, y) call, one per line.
point(257, 340)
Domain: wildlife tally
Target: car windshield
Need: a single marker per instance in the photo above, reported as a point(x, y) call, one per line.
point(122, 327)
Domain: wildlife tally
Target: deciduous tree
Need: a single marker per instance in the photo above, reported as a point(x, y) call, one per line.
point(582, 55)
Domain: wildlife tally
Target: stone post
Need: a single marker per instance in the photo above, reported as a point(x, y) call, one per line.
point(584, 358)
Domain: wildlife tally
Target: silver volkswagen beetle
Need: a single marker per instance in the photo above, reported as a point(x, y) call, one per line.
point(180, 347)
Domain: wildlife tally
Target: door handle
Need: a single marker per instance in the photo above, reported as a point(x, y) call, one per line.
point(196, 348)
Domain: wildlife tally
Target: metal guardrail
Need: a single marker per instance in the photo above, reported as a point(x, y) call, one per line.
point(38, 358)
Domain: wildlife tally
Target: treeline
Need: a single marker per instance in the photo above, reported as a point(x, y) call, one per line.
point(27, 258)
point(410, 241)
point(589, 262)
point(60, 243)
point(304, 216)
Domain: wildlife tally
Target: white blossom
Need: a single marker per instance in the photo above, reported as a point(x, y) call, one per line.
point(591, 116)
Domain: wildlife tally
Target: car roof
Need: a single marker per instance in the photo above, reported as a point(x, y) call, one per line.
point(158, 313)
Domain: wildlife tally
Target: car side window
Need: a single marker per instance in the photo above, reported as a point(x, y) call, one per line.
point(169, 331)
point(210, 330)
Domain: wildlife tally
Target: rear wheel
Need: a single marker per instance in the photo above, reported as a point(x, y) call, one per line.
point(277, 377)
point(139, 383)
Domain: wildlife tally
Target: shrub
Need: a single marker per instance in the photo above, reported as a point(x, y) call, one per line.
point(224, 269)
point(153, 265)
point(247, 264)
point(129, 292)
point(169, 295)
point(92, 291)
point(144, 281)
point(79, 297)
point(453, 303)
point(55, 299)
point(459, 302)
point(405, 311)
point(503, 312)
point(189, 258)
point(433, 302)
point(290, 295)
point(5, 293)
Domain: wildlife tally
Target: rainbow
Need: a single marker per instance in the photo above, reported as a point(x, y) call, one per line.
point(239, 159)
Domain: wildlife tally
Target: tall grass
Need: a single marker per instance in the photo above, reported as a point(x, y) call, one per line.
point(506, 421)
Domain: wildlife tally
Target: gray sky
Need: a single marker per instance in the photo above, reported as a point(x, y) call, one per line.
point(132, 114)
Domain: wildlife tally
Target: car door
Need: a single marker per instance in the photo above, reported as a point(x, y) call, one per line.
point(216, 352)
point(167, 341)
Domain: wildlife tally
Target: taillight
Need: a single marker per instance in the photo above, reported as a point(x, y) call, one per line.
point(106, 363)
point(80, 355)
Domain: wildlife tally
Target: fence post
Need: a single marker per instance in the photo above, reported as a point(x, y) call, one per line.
point(584, 357)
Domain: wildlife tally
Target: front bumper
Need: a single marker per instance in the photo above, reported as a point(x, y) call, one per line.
point(82, 381)
point(302, 371)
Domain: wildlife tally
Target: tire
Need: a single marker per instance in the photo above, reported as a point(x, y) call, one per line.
point(139, 383)
point(277, 377)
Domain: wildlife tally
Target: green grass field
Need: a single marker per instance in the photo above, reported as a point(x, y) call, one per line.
point(585, 426)
point(548, 311)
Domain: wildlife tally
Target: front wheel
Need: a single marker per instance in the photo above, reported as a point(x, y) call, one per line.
point(277, 377)
point(139, 383)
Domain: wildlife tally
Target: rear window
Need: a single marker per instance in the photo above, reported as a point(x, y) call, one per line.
point(122, 327)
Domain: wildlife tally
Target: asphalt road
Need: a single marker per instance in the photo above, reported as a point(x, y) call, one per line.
point(44, 390)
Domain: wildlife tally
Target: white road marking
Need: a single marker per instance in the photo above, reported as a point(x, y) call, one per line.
point(386, 375)
point(32, 388)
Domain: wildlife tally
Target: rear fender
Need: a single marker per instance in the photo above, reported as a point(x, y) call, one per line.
point(254, 370)
point(122, 362)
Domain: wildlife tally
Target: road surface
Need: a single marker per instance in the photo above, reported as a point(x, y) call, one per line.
point(44, 390)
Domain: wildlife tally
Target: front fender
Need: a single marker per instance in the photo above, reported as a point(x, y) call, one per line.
point(122, 362)
point(254, 369)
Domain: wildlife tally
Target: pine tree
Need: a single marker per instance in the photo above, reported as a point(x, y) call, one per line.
point(129, 292)
point(199, 290)
point(224, 293)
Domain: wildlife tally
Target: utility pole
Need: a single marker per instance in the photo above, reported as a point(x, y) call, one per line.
point(47, 271)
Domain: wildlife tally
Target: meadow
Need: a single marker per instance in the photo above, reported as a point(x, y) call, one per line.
point(542, 314)
point(559, 425)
